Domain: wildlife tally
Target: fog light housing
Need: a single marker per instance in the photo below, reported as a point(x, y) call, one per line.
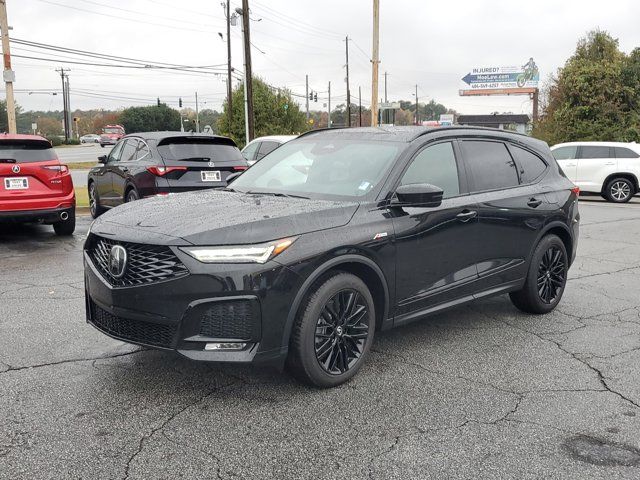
point(225, 346)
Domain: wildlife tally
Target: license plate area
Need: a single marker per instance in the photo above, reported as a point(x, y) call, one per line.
point(210, 176)
point(16, 183)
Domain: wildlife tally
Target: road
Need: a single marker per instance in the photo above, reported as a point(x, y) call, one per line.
point(81, 153)
point(481, 391)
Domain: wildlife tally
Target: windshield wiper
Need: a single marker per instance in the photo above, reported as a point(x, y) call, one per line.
point(277, 194)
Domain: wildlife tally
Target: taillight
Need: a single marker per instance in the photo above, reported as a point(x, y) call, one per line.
point(239, 169)
point(576, 190)
point(58, 168)
point(162, 171)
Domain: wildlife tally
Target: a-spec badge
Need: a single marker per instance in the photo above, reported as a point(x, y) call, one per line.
point(380, 235)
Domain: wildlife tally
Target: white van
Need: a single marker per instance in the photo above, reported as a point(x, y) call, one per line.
point(611, 169)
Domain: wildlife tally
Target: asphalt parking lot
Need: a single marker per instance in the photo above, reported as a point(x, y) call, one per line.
point(481, 391)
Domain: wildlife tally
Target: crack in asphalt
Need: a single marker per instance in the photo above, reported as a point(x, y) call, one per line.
point(604, 273)
point(71, 360)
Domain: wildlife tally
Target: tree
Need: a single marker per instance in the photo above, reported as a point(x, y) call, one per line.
point(595, 96)
point(150, 119)
point(275, 113)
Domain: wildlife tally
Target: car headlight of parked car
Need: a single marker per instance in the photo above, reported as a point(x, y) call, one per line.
point(258, 253)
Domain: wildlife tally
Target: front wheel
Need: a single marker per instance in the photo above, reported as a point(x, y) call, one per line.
point(619, 190)
point(546, 278)
point(94, 201)
point(333, 333)
point(132, 196)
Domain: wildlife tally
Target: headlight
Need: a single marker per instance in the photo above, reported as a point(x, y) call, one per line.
point(259, 253)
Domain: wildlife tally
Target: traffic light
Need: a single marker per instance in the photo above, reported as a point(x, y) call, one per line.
point(180, 102)
point(310, 95)
point(315, 97)
point(158, 101)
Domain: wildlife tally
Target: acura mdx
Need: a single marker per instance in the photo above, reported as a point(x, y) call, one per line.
point(333, 236)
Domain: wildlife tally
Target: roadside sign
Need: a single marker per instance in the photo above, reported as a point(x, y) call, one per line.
point(503, 78)
point(446, 119)
point(389, 106)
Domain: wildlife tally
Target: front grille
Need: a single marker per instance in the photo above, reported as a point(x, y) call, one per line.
point(145, 263)
point(228, 319)
point(135, 330)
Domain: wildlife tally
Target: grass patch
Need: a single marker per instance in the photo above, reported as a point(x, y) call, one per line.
point(82, 197)
point(81, 165)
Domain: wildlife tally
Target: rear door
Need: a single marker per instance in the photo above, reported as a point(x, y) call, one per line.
point(29, 170)
point(566, 158)
point(198, 162)
point(595, 164)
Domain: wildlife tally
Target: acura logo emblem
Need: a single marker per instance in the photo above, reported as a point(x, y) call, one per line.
point(117, 261)
point(211, 163)
point(15, 169)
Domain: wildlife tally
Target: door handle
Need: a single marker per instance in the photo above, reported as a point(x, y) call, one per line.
point(466, 215)
point(125, 169)
point(610, 163)
point(571, 165)
point(534, 202)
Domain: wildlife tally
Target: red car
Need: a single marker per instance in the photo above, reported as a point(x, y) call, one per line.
point(111, 134)
point(34, 186)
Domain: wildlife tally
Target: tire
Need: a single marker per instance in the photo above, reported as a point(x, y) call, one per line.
point(619, 190)
point(64, 228)
point(546, 278)
point(94, 202)
point(131, 196)
point(102, 145)
point(326, 348)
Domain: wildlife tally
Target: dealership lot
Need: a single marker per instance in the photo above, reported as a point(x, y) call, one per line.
point(480, 391)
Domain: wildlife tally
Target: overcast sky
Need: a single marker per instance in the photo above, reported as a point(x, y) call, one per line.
point(425, 42)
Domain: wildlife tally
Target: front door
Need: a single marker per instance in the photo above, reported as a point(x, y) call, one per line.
point(121, 171)
point(104, 177)
point(434, 246)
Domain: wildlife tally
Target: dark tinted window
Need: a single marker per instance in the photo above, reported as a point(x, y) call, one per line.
point(199, 149)
point(622, 152)
point(435, 165)
point(490, 165)
point(267, 147)
point(531, 166)
point(25, 151)
point(595, 152)
point(129, 150)
point(565, 153)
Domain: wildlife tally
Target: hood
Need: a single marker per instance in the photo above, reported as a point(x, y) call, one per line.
point(216, 217)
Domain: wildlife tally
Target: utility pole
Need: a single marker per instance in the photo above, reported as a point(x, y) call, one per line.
point(248, 89)
point(9, 75)
point(374, 62)
point(348, 122)
point(229, 83)
point(197, 115)
point(386, 110)
point(360, 105)
point(535, 106)
point(65, 118)
point(69, 114)
point(417, 120)
point(306, 80)
point(329, 107)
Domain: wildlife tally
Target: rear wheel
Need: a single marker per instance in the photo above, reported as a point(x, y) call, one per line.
point(66, 227)
point(132, 196)
point(619, 190)
point(94, 201)
point(333, 334)
point(546, 278)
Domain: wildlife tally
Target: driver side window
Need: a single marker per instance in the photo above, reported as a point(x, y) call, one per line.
point(437, 166)
point(116, 151)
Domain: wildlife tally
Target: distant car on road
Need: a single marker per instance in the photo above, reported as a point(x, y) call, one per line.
point(111, 134)
point(90, 138)
point(259, 147)
point(34, 186)
point(158, 163)
point(611, 169)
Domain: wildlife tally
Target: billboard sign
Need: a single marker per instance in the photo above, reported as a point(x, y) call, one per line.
point(446, 119)
point(501, 78)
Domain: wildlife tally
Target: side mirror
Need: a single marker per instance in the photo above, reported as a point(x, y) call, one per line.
point(419, 194)
point(102, 159)
point(233, 176)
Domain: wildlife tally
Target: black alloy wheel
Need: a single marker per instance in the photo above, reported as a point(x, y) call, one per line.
point(341, 332)
point(132, 196)
point(551, 274)
point(94, 201)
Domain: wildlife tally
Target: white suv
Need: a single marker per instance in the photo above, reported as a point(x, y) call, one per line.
point(608, 168)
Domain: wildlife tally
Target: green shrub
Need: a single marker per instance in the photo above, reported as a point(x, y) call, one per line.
point(73, 141)
point(55, 141)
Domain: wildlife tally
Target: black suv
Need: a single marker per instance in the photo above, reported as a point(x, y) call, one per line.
point(331, 237)
point(157, 163)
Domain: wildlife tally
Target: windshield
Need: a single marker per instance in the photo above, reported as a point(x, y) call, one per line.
point(322, 166)
point(113, 130)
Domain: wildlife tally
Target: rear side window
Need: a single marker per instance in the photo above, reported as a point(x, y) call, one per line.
point(435, 165)
point(565, 153)
point(26, 151)
point(531, 166)
point(595, 152)
point(196, 149)
point(490, 165)
point(622, 152)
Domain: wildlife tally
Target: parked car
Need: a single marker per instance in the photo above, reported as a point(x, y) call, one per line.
point(157, 163)
point(111, 134)
point(34, 186)
point(387, 226)
point(90, 138)
point(609, 168)
point(258, 148)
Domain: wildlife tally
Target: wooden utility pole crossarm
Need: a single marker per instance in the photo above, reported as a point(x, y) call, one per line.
point(8, 74)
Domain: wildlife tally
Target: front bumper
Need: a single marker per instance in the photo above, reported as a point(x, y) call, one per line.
point(214, 303)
